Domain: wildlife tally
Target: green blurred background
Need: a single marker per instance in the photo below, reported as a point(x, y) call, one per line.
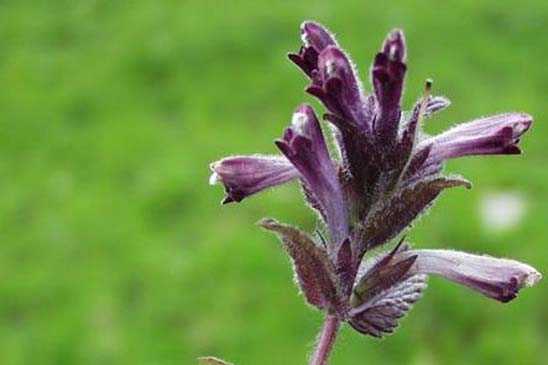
point(114, 250)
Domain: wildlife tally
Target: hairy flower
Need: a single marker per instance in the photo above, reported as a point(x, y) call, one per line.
point(303, 144)
point(243, 176)
point(386, 173)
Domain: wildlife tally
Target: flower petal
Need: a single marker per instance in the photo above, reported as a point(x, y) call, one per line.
point(500, 279)
point(243, 176)
point(315, 38)
point(497, 134)
point(334, 79)
point(304, 145)
point(342, 90)
point(388, 74)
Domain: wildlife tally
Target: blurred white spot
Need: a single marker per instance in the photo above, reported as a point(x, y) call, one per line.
point(501, 211)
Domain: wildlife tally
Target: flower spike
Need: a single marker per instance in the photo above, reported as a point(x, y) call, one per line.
point(386, 174)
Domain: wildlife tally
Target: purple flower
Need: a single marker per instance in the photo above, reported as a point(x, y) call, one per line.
point(496, 135)
point(243, 176)
point(303, 144)
point(499, 279)
point(388, 73)
point(388, 285)
point(385, 174)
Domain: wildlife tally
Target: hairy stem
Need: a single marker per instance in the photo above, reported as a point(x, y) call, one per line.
point(326, 340)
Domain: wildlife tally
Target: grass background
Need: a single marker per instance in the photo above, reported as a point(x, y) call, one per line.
point(114, 250)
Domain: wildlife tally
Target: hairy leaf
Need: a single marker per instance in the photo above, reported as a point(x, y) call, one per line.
point(390, 218)
point(380, 315)
point(346, 266)
point(314, 271)
point(380, 273)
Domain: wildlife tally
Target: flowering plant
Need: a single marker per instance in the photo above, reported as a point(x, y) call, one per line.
point(384, 174)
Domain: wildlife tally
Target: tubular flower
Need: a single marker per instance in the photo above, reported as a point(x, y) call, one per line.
point(243, 176)
point(385, 174)
point(303, 144)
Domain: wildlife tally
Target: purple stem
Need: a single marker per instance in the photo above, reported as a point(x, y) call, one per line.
point(326, 340)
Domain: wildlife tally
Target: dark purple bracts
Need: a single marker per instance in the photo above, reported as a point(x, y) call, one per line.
point(385, 175)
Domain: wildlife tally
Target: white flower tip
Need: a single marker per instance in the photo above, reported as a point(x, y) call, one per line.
point(305, 38)
point(532, 278)
point(520, 128)
point(305, 32)
point(392, 53)
point(395, 34)
point(299, 121)
point(214, 178)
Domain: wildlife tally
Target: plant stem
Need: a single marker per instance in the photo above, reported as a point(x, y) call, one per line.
point(326, 339)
